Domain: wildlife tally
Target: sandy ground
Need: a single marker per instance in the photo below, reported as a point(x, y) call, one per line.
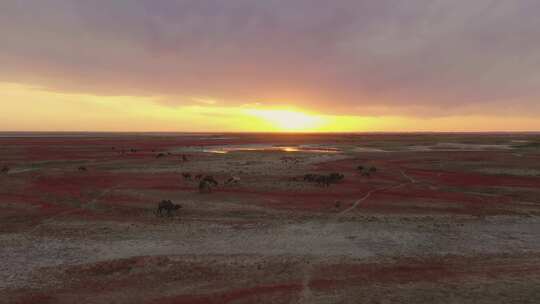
point(427, 227)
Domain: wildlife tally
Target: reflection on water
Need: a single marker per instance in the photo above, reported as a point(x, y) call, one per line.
point(269, 148)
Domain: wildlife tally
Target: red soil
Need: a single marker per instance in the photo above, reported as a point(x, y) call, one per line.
point(317, 199)
point(37, 298)
point(414, 270)
point(75, 184)
point(473, 179)
point(253, 294)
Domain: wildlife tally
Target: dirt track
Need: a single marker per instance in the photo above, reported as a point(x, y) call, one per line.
point(428, 227)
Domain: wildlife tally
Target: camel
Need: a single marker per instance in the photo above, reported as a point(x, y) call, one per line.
point(168, 206)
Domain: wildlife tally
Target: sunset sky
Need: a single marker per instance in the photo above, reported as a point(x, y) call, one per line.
point(248, 65)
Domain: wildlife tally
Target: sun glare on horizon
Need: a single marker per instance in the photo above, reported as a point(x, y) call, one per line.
point(286, 120)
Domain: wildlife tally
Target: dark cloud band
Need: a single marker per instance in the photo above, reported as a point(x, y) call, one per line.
point(334, 56)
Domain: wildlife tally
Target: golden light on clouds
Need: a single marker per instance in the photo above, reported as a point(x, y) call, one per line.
point(282, 66)
point(28, 108)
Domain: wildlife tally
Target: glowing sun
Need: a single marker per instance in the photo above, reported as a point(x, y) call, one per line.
point(289, 120)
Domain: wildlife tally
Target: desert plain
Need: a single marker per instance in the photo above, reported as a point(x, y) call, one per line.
point(444, 218)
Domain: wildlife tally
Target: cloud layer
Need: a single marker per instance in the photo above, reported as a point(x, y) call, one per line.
point(363, 57)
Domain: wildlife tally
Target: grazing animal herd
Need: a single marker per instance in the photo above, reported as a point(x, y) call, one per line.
point(207, 182)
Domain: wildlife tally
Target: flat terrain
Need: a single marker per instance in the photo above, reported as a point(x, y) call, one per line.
point(446, 218)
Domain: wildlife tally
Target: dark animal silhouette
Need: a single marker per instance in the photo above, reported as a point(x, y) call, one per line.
point(167, 205)
point(186, 175)
point(198, 176)
point(133, 150)
point(5, 169)
point(184, 157)
point(372, 169)
point(324, 180)
point(160, 155)
point(335, 177)
point(360, 168)
point(82, 168)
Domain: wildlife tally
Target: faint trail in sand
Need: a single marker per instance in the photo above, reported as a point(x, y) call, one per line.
point(306, 295)
point(367, 195)
point(412, 180)
point(363, 198)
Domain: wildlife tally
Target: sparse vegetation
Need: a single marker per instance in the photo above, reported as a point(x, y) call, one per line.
point(286, 222)
point(529, 145)
point(324, 180)
point(206, 184)
point(168, 207)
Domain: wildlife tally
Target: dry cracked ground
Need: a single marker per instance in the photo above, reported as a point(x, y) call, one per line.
point(446, 218)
